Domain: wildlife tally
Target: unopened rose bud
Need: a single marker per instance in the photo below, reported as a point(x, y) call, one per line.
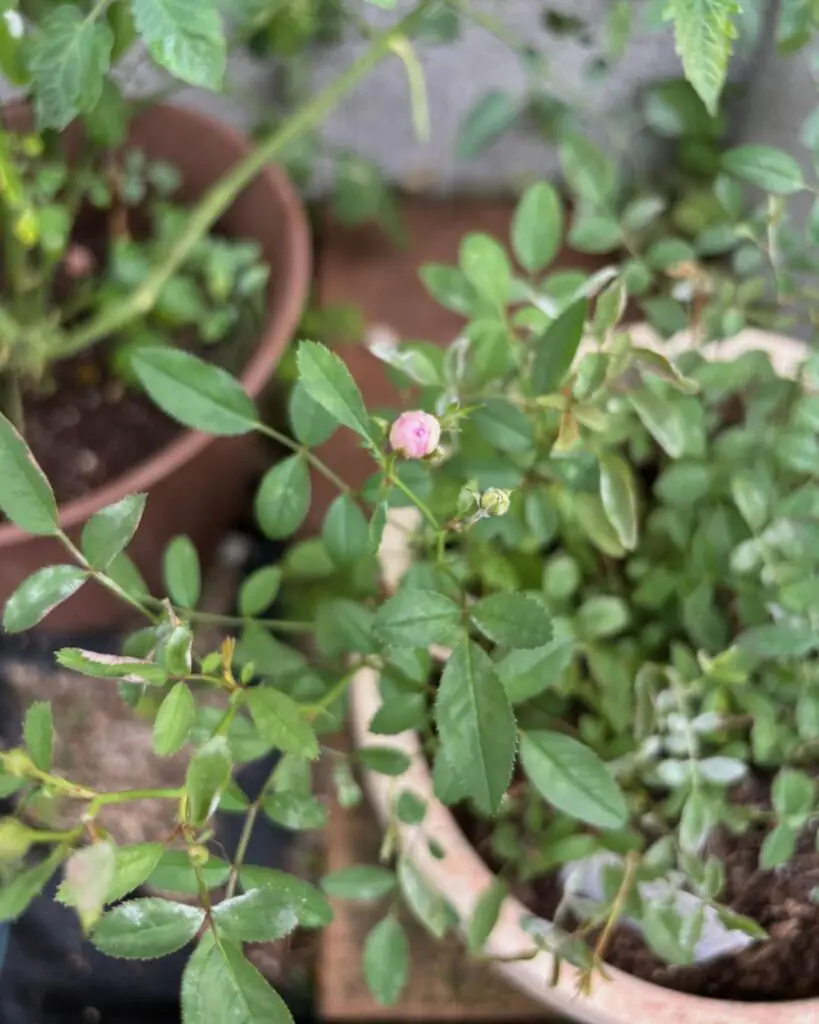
point(495, 501)
point(415, 435)
point(79, 261)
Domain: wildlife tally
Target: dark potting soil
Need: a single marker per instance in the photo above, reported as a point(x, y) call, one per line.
point(783, 967)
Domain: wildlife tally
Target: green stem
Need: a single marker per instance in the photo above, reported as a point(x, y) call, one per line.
point(127, 795)
point(247, 829)
point(300, 449)
point(222, 194)
point(11, 400)
point(106, 581)
point(417, 502)
point(284, 625)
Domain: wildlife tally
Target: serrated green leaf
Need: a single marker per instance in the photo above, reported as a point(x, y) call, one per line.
point(362, 882)
point(485, 915)
point(525, 674)
point(281, 721)
point(196, 394)
point(174, 720)
point(219, 984)
point(259, 915)
point(513, 620)
point(311, 422)
point(110, 530)
point(346, 533)
point(144, 929)
point(417, 618)
point(283, 498)
point(618, 493)
point(385, 960)
point(132, 867)
point(704, 31)
point(68, 59)
point(40, 594)
point(537, 227)
point(476, 725)
point(449, 287)
point(183, 577)
point(572, 778)
point(26, 497)
point(185, 37)
point(38, 733)
point(504, 426)
point(793, 795)
point(311, 907)
point(207, 778)
point(328, 382)
point(556, 348)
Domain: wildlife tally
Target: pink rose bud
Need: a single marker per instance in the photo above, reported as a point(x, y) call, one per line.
point(415, 434)
point(79, 261)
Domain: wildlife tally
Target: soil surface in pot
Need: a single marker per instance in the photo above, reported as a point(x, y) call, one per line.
point(786, 966)
point(86, 426)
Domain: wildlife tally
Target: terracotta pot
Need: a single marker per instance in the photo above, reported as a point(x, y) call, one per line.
point(461, 875)
point(197, 483)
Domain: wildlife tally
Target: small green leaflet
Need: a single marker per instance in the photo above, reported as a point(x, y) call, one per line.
point(426, 904)
point(38, 733)
point(132, 866)
point(767, 168)
point(283, 498)
point(16, 895)
point(329, 383)
point(174, 720)
point(486, 266)
point(207, 777)
point(183, 577)
point(363, 882)
point(485, 915)
point(282, 722)
point(111, 666)
point(346, 533)
point(557, 347)
point(185, 37)
point(311, 422)
point(259, 590)
point(110, 530)
point(486, 121)
point(661, 419)
point(259, 915)
point(311, 906)
point(513, 620)
point(537, 227)
point(618, 492)
point(385, 960)
point(40, 594)
point(89, 872)
point(144, 929)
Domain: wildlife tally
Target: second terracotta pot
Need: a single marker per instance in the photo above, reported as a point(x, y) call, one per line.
point(196, 485)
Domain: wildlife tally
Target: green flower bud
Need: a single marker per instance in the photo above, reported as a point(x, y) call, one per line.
point(15, 839)
point(495, 501)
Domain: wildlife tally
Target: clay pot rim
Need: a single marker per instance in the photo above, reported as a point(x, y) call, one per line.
point(274, 335)
point(462, 874)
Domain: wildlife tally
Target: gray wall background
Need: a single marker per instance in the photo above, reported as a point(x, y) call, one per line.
point(375, 121)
